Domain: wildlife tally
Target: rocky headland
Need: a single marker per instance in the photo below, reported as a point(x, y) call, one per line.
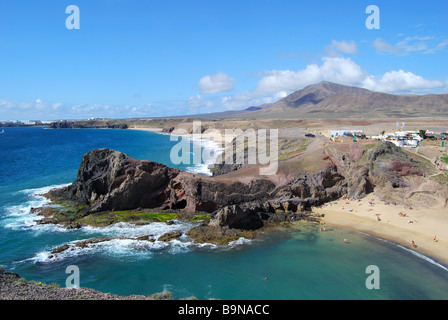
point(112, 187)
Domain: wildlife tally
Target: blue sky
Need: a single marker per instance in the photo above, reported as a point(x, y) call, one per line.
point(136, 58)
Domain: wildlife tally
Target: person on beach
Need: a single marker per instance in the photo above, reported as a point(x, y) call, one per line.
point(413, 244)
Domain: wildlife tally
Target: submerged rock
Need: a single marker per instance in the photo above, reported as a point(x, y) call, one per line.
point(60, 249)
point(218, 235)
point(170, 236)
point(146, 238)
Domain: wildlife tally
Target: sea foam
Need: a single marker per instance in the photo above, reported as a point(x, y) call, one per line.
point(19, 217)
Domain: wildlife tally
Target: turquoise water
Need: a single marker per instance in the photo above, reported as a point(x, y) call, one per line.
point(300, 263)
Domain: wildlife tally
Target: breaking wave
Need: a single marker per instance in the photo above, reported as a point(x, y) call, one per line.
point(123, 236)
point(20, 217)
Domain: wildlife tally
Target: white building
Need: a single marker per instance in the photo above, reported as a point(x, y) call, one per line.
point(341, 133)
point(408, 139)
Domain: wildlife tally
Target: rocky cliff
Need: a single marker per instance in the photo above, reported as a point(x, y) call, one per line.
point(109, 180)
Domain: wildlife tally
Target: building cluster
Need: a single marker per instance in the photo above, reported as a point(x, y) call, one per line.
point(408, 139)
point(412, 138)
point(24, 122)
point(347, 134)
point(399, 138)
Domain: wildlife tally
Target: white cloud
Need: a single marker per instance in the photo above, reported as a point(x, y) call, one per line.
point(216, 83)
point(335, 69)
point(440, 46)
point(56, 105)
point(383, 46)
point(197, 102)
point(399, 81)
point(341, 46)
point(39, 109)
point(416, 44)
point(245, 99)
point(5, 105)
point(240, 100)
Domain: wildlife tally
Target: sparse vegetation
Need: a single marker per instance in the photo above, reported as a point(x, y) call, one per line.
point(422, 133)
point(444, 158)
point(21, 281)
point(164, 295)
point(111, 217)
point(200, 217)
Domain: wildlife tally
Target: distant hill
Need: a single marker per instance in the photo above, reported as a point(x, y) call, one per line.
point(223, 114)
point(332, 100)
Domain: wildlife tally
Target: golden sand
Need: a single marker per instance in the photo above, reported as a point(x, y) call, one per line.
point(428, 228)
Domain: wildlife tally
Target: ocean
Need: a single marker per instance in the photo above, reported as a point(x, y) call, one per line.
point(298, 263)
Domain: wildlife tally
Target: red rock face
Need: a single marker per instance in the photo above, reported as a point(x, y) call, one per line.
point(404, 168)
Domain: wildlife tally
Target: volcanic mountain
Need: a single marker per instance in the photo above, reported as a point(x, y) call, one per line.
point(332, 100)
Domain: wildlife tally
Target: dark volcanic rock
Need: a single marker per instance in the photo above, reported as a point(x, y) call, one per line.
point(111, 180)
point(209, 195)
point(170, 236)
point(235, 217)
point(85, 124)
point(146, 238)
point(218, 235)
point(360, 185)
point(312, 188)
point(13, 287)
point(60, 249)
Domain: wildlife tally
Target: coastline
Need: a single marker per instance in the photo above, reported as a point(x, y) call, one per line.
point(361, 215)
point(211, 142)
point(157, 130)
point(353, 215)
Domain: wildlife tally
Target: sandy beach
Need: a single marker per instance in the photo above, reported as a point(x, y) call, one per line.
point(219, 137)
point(147, 129)
point(396, 223)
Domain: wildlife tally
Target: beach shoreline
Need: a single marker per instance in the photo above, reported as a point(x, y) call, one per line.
point(372, 216)
point(396, 223)
point(157, 130)
point(211, 142)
